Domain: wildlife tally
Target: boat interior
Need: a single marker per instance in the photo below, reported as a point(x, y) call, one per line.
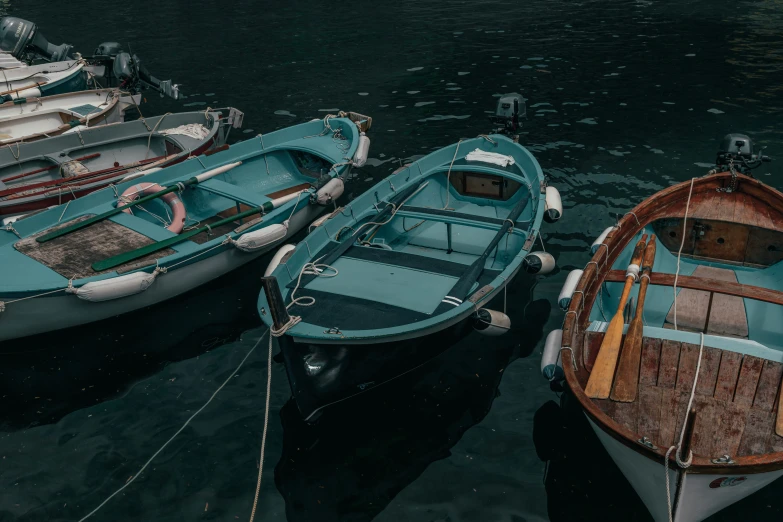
point(730, 288)
point(403, 269)
point(241, 188)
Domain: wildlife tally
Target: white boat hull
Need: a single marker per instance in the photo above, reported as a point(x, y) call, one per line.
point(701, 496)
point(61, 310)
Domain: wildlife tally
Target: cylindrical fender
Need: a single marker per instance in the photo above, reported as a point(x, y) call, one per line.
point(540, 263)
point(564, 299)
point(262, 237)
point(362, 151)
point(554, 205)
point(491, 322)
point(551, 365)
point(599, 240)
point(115, 287)
point(330, 192)
point(284, 252)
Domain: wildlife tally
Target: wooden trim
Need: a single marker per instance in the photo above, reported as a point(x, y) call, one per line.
point(756, 293)
point(290, 190)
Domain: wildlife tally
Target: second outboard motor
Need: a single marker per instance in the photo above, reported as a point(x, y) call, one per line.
point(510, 108)
point(129, 70)
point(737, 150)
point(20, 37)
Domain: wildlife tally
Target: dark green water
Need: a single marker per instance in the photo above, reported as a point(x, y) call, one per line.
point(625, 98)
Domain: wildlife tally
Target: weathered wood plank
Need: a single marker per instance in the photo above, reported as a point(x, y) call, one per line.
point(673, 405)
point(769, 383)
point(591, 345)
point(710, 285)
point(730, 363)
point(748, 380)
point(757, 427)
point(651, 358)
point(704, 427)
point(670, 360)
point(686, 373)
point(649, 412)
point(708, 371)
point(627, 414)
point(729, 427)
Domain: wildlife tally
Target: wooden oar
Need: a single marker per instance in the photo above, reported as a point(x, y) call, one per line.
point(44, 169)
point(626, 382)
point(779, 420)
point(463, 285)
point(195, 180)
point(600, 382)
point(88, 176)
point(126, 257)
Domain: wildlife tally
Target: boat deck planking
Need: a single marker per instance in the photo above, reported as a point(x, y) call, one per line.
point(735, 401)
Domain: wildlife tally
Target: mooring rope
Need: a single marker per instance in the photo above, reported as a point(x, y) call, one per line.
point(91, 513)
point(679, 252)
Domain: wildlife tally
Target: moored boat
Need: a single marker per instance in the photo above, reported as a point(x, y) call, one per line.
point(401, 273)
point(50, 172)
point(147, 240)
point(30, 119)
point(682, 387)
point(35, 81)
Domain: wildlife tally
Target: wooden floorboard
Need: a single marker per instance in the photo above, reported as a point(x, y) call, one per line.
point(670, 359)
point(728, 373)
point(592, 345)
point(768, 386)
point(708, 371)
point(748, 380)
point(686, 373)
point(757, 427)
point(728, 430)
point(649, 412)
point(704, 426)
point(651, 357)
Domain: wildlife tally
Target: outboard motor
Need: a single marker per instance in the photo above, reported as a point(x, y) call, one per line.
point(109, 49)
point(736, 150)
point(510, 108)
point(129, 71)
point(20, 38)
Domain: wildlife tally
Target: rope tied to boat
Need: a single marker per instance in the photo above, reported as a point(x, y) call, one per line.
point(679, 252)
point(683, 464)
point(448, 176)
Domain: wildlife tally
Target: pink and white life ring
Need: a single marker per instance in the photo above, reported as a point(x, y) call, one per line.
point(171, 199)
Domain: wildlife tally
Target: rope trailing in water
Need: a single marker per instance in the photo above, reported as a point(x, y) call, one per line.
point(91, 513)
point(684, 464)
point(679, 252)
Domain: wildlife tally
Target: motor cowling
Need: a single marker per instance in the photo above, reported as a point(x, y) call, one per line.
point(19, 37)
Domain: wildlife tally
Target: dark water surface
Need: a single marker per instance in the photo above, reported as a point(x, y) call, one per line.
point(625, 98)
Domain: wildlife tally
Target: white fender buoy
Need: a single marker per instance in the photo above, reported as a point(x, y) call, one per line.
point(330, 192)
point(540, 263)
point(551, 365)
point(115, 287)
point(262, 237)
point(600, 239)
point(564, 299)
point(362, 151)
point(491, 322)
point(553, 208)
point(282, 252)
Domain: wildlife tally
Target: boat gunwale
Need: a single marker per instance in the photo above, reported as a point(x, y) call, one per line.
point(577, 317)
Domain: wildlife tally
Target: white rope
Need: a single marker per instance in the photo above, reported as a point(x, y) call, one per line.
point(684, 464)
point(91, 513)
point(679, 252)
point(152, 131)
point(266, 424)
point(448, 177)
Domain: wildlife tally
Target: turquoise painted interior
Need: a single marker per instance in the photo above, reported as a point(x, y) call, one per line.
point(765, 322)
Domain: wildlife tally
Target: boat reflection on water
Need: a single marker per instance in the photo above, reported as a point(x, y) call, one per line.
point(359, 454)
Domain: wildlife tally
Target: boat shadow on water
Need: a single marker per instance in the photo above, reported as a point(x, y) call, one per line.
point(45, 377)
point(349, 467)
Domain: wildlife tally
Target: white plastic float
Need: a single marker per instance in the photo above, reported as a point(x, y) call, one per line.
point(362, 151)
point(538, 263)
point(282, 252)
point(551, 365)
point(114, 288)
point(262, 237)
point(491, 322)
point(599, 240)
point(553, 205)
point(330, 192)
point(564, 299)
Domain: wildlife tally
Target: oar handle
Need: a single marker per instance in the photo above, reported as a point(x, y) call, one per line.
point(649, 256)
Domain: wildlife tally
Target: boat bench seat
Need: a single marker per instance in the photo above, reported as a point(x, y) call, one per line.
point(227, 190)
point(448, 216)
point(726, 314)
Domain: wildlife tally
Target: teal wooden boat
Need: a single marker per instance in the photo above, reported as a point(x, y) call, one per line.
point(144, 241)
point(403, 271)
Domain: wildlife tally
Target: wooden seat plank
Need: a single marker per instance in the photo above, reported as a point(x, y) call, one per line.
point(708, 371)
point(651, 357)
point(768, 386)
point(728, 429)
point(670, 360)
point(711, 285)
point(730, 363)
point(748, 380)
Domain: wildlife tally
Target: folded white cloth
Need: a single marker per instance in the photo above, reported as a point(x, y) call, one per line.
point(192, 130)
point(490, 157)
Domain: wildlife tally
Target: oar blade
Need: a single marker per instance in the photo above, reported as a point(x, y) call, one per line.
point(626, 383)
point(599, 385)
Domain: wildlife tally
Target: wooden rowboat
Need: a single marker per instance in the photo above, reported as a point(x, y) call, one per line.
point(56, 170)
point(729, 229)
point(144, 241)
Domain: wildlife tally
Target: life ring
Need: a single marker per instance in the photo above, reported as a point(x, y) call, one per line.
point(172, 200)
